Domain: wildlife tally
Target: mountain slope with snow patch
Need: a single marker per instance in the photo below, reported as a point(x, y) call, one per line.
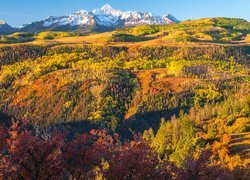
point(105, 16)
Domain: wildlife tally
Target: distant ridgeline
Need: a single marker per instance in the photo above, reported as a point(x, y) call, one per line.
point(103, 19)
point(205, 31)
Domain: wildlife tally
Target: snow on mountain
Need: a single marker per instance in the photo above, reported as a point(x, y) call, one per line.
point(2, 22)
point(138, 18)
point(107, 10)
point(105, 16)
point(5, 28)
point(79, 18)
point(170, 19)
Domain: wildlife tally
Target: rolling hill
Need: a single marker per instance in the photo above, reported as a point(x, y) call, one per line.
point(201, 32)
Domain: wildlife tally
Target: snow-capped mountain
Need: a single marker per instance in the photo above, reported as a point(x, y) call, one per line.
point(105, 16)
point(5, 28)
point(80, 18)
point(170, 19)
point(2, 22)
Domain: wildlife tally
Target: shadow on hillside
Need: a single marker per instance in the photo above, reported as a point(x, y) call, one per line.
point(221, 42)
point(5, 119)
point(239, 147)
point(141, 122)
point(78, 127)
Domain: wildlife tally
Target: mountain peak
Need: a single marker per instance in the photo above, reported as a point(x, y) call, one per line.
point(106, 16)
point(107, 7)
point(82, 11)
point(172, 18)
point(106, 10)
point(2, 22)
point(5, 28)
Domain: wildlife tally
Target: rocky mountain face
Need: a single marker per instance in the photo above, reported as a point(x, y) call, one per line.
point(5, 28)
point(105, 17)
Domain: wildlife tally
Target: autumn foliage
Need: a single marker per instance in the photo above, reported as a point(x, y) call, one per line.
point(27, 154)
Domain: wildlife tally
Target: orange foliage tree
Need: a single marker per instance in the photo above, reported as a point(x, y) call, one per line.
point(25, 154)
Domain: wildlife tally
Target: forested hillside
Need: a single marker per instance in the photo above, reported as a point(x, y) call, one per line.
point(163, 105)
point(200, 31)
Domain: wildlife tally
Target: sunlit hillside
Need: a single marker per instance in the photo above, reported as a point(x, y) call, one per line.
point(202, 31)
point(169, 101)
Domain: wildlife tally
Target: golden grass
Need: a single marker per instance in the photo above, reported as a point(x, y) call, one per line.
point(102, 39)
point(247, 38)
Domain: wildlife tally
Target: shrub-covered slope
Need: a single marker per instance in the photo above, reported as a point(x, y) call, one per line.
point(93, 83)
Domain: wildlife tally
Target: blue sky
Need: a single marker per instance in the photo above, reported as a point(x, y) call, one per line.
point(18, 12)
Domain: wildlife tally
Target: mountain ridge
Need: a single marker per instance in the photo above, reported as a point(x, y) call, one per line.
point(5, 28)
point(104, 17)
